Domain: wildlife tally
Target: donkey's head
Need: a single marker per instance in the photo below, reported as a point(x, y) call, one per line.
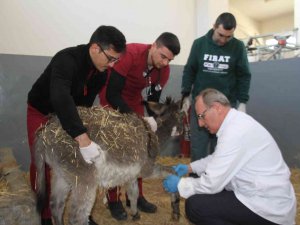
point(168, 118)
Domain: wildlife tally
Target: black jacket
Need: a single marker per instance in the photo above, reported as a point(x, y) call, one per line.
point(69, 80)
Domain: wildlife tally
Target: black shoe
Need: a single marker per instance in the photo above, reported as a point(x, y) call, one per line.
point(91, 221)
point(144, 205)
point(117, 210)
point(47, 222)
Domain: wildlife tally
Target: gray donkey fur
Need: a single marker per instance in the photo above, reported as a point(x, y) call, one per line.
point(126, 154)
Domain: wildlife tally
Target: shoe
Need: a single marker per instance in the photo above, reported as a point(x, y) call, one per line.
point(91, 221)
point(117, 210)
point(47, 222)
point(143, 205)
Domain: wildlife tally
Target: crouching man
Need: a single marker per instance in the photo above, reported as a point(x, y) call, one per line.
point(245, 181)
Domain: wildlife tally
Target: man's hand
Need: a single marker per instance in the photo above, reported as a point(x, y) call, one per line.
point(90, 152)
point(170, 183)
point(242, 107)
point(83, 140)
point(151, 122)
point(186, 104)
point(181, 169)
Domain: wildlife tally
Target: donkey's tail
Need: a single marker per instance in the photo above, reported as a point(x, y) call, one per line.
point(40, 182)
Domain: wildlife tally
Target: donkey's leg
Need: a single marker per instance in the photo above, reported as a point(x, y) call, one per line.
point(82, 200)
point(175, 203)
point(59, 193)
point(133, 193)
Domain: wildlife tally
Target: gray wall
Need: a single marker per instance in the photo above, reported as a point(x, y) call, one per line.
point(17, 74)
point(273, 101)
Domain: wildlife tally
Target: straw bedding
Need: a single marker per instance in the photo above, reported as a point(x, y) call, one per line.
point(154, 192)
point(5, 193)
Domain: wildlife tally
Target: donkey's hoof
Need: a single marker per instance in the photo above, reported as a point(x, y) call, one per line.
point(136, 217)
point(175, 216)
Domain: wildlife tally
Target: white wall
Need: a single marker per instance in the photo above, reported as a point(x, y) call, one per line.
point(281, 23)
point(297, 18)
point(207, 12)
point(245, 26)
point(44, 27)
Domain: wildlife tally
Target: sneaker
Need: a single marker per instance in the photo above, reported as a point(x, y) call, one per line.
point(117, 210)
point(91, 221)
point(143, 205)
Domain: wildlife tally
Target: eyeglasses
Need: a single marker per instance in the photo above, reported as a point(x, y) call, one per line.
point(109, 57)
point(202, 115)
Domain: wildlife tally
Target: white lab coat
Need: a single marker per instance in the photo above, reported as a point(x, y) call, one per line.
point(248, 162)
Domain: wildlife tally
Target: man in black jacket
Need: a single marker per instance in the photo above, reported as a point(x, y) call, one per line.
point(73, 78)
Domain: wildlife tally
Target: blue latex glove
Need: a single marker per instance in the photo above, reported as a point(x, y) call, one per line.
point(170, 183)
point(181, 169)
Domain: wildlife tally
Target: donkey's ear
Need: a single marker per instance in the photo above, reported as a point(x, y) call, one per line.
point(155, 108)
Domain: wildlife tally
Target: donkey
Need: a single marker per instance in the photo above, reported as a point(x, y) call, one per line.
point(129, 149)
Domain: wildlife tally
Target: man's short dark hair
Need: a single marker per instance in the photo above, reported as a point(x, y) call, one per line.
point(170, 41)
point(227, 20)
point(109, 37)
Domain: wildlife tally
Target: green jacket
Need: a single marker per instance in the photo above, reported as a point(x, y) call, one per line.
point(224, 68)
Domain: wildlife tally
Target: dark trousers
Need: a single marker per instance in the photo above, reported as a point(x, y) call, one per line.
point(220, 209)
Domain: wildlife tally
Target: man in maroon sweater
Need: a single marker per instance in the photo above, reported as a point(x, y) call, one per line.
point(143, 66)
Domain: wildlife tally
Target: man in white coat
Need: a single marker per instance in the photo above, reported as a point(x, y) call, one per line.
point(245, 181)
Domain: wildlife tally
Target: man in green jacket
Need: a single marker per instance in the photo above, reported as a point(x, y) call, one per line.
point(217, 60)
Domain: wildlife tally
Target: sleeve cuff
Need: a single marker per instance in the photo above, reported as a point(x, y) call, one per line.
point(186, 187)
point(200, 165)
point(77, 132)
